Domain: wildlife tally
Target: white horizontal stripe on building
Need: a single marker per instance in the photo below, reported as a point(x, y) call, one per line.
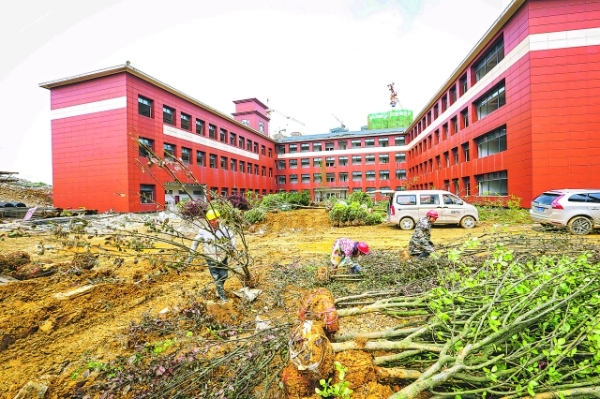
point(89, 108)
point(350, 151)
point(194, 138)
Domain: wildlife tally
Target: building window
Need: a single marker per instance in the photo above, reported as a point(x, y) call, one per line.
point(400, 140)
point(186, 155)
point(455, 155)
point(384, 175)
point(185, 121)
point(356, 176)
point(147, 193)
point(212, 131)
point(270, 172)
point(438, 162)
point(233, 165)
point(343, 161)
point(306, 178)
point(370, 143)
point(280, 179)
point(224, 191)
point(261, 127)
point(243, 167)
point(467, 185)
point(491, 143)
point(255, 148)
point(493, 184)
point(232, 139)
point(145, 145)
point(383, 142)
point(401, 174)
point(249, 169)
point(384, 158)
point(305, 162)
point(223, 135)
point(330, 177)
point(200, 158)
point(248, 145)
point(446, 131)
point(224, 163)
point(464, 116)
point(145, 106)
point(328, 146)
point(262, 149)
point(241, 141)
point(343, 176)
point(293, 164)
point(293, 179)
point(463, 85)
point(401, 157)
point(356, 144)
point(270, 153)
point(370, 175)
point(317, 162)
point(454, 123)
point(263, 171)
point(304, 147)
point(369, 159)
point(447, 158)
point(168, 115)
point(329, 162)
point(342, 145)
point(456, 187)
point(245, 122)
point(452, 93)
point(200, 127)
point(212, 161)
point(356, 159)
point(489, 60)
point(491, 101)
point(168, 151)
point(317, 147)
point(444, 103)
point(317, 177)
point(465, 148)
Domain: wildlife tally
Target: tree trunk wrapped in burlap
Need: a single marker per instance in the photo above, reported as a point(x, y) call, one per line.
point(310, 349)
point(319, 304)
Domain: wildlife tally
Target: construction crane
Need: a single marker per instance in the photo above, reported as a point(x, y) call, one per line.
point(393, 95)
point(270, 110)
point(341, 123)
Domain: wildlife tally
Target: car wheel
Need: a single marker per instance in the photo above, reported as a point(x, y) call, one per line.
point(407, 224)
point(580, 225)
point(468, 222)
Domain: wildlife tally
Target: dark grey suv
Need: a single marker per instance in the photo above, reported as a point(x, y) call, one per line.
point(577, 209)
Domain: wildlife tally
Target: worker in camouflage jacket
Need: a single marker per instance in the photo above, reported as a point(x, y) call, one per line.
point(420, 244)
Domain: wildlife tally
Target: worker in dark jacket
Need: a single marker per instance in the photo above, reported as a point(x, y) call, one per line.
point(420, 244)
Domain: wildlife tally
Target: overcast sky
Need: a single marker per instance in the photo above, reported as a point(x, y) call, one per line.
point(311, 59)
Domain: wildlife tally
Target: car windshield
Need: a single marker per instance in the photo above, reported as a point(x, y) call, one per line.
point(546, 198)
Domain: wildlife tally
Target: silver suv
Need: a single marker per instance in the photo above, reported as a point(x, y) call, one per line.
point(578, 209)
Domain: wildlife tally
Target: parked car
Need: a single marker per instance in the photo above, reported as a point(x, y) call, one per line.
point(406, 207)
point(577, 209)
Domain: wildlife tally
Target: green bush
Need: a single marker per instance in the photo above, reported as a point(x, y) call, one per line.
point(355, 214)
point(361, 198)
point(272, 201)
point(255, 215)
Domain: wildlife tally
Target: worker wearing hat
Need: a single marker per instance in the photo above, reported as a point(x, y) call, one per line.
point(218, 242)
point(346, 252)
point(420, 244)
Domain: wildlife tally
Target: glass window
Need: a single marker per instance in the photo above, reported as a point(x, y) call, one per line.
point(406, 200)
point(224, 163)
point(200, 127)
point(185, 121)
point(317, 177)
point(384, 175)
point(232, 139)
point(317, 162)
point(263, 171)
point(369, 159)
point(212, 161)
point(356, 176)
point(343, 161)
point(262, 149)
point(255, 148)
point(490, 59)
point(491, 143)
point(200, 158)
point(305, 162)
point(145, 106)
point(233, 165)
point(330, 177)
point(356, 144)
point(305, 147)
point(329, 162)
point(317, 147)
point(241, 141)
point(465, 148)
point(168, 115)
point(305, 178)
point(243, 167)
point(212, 131)
point(293, 163)
point(455, 155)
point(343, 176)
point(147, 193)
point(293, 179)
point(342, 144)
point(429, 199)
point(383, 142)
point(370, 175)
point(401, 174)
point(493, 184)
point(400, 140)
point(400, 157)
point(168, 151)
point(145, 146)
point(280, 149)
point(369, 142)
point(186, 155)
point(223, 135)
point(280, 179)
point(491, 101)
point(328, 146)
point(248, 145)
point(356, 159)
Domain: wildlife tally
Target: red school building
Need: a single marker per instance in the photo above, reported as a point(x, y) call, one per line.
point(518, 116)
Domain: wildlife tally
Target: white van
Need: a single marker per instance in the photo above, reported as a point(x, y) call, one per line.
point(407, 207)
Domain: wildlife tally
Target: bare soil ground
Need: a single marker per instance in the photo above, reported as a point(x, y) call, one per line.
point(48, 331)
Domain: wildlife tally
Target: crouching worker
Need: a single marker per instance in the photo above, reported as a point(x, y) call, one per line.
point(218, 241)
point(346, 253)
point(420, 244)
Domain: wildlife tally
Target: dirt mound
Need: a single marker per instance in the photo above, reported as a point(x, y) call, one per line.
point(294, 221)
point(30, 194)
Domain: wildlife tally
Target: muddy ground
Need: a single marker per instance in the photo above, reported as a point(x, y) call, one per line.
point(48, 331)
